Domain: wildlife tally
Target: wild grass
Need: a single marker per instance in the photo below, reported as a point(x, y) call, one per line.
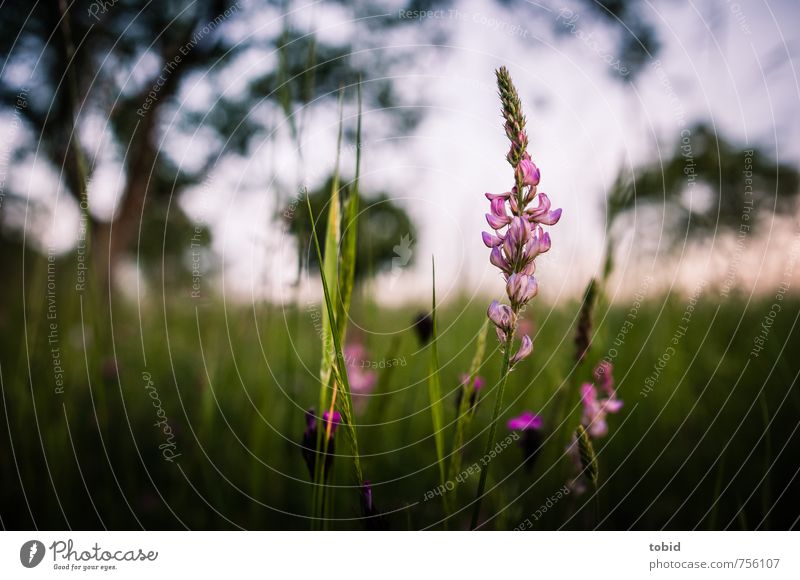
point(234, 382)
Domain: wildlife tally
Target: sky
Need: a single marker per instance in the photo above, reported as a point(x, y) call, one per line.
point(730, 63)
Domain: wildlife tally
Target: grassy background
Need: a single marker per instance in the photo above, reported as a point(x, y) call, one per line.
point(714, 445)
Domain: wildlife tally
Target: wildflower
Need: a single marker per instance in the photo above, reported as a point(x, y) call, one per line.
point(603, 377)
point(309, 443)
point(477, 385)
point(517, 217)
point(525, 422)
point(595, 408)
point(525, 348)
point(517, 221)
point(530, 425)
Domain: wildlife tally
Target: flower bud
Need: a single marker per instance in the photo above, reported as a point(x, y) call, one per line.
point(525, 349)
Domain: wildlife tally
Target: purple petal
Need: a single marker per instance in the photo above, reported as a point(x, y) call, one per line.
point(518, 232)
point(521, 288)
point(529, 268)
point(496, 222)
point(490, 240)
point(544, 243)
point(495, 313)
point(527, 420)
point(530, 173)
point(550, 218)
point(498, 207)
point(598, 427)
point(542, 208)
point(493, 196)
point(531, 290)
point(497, 259)
point(525, 349)
point(501, 315)
point(336, 419)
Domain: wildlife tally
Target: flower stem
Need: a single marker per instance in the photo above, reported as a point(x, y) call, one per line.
point(498, 404)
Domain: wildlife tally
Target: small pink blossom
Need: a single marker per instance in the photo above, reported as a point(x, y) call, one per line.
point(527, 420)
point(595, 408)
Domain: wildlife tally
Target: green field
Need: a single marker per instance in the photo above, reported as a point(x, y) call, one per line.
point(706, 439)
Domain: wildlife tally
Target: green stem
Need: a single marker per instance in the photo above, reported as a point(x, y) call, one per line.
point(498, 404)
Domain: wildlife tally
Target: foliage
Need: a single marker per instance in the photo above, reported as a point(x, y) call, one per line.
point(737, 179)
point(382, 225)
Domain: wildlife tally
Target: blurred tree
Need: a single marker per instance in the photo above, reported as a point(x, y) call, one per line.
point(623, 20)
point(637, 42)
point(385, 231)
point(735, 179)
point(128, 64)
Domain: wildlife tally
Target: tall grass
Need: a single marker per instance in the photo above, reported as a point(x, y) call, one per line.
point(435, 392)
point(337, 265)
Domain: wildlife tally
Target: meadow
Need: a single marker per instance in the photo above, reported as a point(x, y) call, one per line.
point(191, 413)
point(185, 409)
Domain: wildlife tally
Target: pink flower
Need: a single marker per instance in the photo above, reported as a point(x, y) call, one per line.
point(502, 316)
point(518, 238)
point(333, 420)
point(595, 409)
point(361, 380)
point(527, 420)
point(478, 384)
point(479, 381)
point(529, 172)
point(521, 288)
point(603, 377)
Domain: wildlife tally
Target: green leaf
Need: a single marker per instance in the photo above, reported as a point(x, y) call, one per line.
point(331, 266)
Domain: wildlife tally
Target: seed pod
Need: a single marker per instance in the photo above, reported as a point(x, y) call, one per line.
point(583, 334)
point(587, 454)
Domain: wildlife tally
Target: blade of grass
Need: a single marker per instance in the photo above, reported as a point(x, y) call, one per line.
point(339, 371)
point(349, 237)
point(435, 393)
point(766, 485)
point(465, 413)
point(329, 266)
point(498, 405)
